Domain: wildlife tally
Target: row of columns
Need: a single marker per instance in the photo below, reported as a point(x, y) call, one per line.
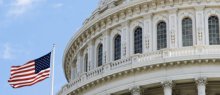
point(168, 85)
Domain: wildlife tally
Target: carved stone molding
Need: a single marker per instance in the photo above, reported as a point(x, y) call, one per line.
point(173, 36)
point(201, 81)
point(124, 49)
point(105, 57)
point(147, 42)
point(135, 90)
point(167, 84)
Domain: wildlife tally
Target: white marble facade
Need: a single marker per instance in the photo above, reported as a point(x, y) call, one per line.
point(174, 70)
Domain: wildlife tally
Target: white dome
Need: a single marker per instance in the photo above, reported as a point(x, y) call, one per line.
point(144, 47)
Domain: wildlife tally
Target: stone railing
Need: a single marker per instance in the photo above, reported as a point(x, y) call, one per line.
point(95, 72)
point(122, 62)
point(139, 60)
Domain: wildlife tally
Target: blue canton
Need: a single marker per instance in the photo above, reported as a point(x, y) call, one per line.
point(42, 63)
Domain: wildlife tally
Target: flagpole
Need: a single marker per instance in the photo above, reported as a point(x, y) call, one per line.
point(52, 69)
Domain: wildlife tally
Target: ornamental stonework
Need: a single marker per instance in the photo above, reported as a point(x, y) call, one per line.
point(194, 69)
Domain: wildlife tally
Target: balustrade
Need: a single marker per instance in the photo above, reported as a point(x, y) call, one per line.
point(136, 59)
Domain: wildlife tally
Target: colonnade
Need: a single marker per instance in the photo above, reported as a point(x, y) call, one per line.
point(168, 87)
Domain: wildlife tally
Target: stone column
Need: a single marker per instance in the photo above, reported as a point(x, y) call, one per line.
point(135, 90)
point(167, 86)
point(91, 55)
point(200, 37)
point(201, 85)
point(172, 30)
point(73, 71)
point(78, 64)
point(126, 40)
point(106, 49)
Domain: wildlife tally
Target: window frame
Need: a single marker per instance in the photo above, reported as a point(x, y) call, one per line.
point(163, 34)
point(86, 64)
point(191, 41)
point(138, 40)
point(117, 51)
point(215, 32)
point(100, 55)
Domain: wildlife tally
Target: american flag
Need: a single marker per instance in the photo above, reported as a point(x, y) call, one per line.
point(30, 73)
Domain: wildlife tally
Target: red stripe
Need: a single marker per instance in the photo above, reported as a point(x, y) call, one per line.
point(23, 67)
point(11, 80)
point(23, 71)
point(23, 75)
point(15, 68)
point(29, 84)
point(32, 82)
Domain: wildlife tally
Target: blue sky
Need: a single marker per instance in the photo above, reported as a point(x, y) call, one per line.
point(28, 28)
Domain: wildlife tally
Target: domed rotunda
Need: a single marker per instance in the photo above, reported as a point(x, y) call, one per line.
point(146, 47)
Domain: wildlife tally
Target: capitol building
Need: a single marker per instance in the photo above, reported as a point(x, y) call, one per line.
point(146, 47)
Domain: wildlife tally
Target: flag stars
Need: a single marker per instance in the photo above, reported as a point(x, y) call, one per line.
point(42, 63)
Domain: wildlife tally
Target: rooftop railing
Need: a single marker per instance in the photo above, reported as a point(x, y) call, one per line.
point(140, 60)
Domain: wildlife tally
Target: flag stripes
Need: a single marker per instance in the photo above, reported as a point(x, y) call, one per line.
point(31, 72)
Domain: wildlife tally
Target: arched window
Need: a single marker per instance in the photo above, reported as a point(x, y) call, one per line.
point(138, 40)
point(187, 33)
point(214, 30)
point(161, 35)
point(100, 53)
point(117, 47)
point(86, 63)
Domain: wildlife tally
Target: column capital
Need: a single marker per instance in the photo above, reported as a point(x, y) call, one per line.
point(201, 81)
point(167, 87)
point(167, 84)
point(135, 90)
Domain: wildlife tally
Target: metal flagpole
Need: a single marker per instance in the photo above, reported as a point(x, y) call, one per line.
point(52, 69)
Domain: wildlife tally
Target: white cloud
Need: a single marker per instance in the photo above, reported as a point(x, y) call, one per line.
point(1, 2)
point(57, 5)
point(23, 2)
point(7, 51)
point(19, 7)
point(10, 51)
